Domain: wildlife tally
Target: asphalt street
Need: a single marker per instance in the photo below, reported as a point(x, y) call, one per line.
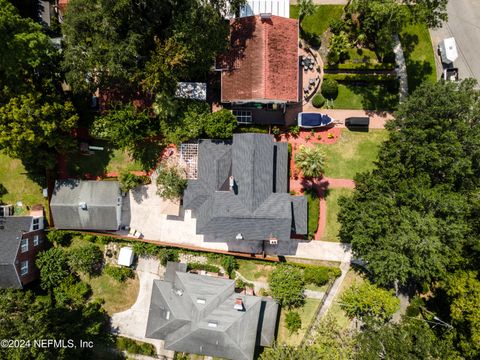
point(464, 25)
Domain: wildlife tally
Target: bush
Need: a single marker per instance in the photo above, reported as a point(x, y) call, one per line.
point(220, 124)
point(229, 263)
point(361, 77)
point(166, 255)
point(129, 181)
point(360, 66)
point(287, 285)
point(205, 267)
point(252, 129)
point(318, 100)
point(86, 259)
point(60, 237)
point(135, 347)
point(318, 275)
point(171, 183)
point(295, 130)
point(330, 88)
point(276, 130)
point(293, 322)
point(118, 273)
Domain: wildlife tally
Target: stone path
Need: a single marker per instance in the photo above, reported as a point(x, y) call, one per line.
point(401, 68)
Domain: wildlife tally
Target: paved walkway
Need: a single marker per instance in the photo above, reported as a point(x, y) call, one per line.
point(401, 68)
point(323, 250)
point(132, 323)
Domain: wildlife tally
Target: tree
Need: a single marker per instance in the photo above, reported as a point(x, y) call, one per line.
point(34, 130)
point(338, 48)
point(433, 13)
point(284, 352)
point(220, 124)
point(330, 88)
point(129, 181)
point(305, 8)
point(311, 161)
point(59, 237)
point(53, 265)
point(411, 219)
point(86, 259)
point(170, 183)
point(71, 292)
point(463, 291)
point(287, 285)
point(333, 341)
point(293, 322)
point(369, 301)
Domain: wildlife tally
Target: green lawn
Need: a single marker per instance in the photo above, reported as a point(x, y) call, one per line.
point(333, 226)
point(362, 55)
point(419, 55)
point(307, 313)
point(254, 270)
point(101, 162)
point(19, 186)
point(354, 152)
point(382, 96)
point(313, 212)
point(316, 24)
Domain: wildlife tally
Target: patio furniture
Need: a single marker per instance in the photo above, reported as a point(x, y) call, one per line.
point(311, 66)
point(312, 81)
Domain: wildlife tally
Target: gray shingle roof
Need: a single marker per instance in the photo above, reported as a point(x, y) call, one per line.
point(101, 198)
point(11, 231)
point(259, 207)
point(186, 324)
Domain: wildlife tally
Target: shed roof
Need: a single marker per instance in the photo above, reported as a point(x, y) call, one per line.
point(263, 62)
point(100, 197)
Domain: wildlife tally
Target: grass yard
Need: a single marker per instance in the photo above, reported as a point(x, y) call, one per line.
point(333, 226)
point(352, 277)
point(354, 152)
point(101, 162)
point(313, 212)
point(254, 270)
point(381, 96)
point(307, 313)
point(317, 23)
point(19, 186)
point(419, 55)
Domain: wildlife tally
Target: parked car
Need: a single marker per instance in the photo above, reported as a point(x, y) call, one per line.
point(313, 120)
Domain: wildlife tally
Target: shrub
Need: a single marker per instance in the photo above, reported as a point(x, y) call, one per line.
point(361, 77)
point(360, 66)
point(129, 181)
point(293, 322)
point(294, 130)
point(330, 88)
point(330, 135)
point(252, 129)
point(316, 275)
point(118, 273)
point(86, 259)
point(276, 130)
point(229, 263)
point(135, 347)
point(165, 255)
point(310, 160)
point(287, 285)
point(220, 124)
point(318, 100)
point(336, 26)
point(170, 183)
point(60, 237)
point(205, 267)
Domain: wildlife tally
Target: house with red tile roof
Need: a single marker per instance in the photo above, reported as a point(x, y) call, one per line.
point(260, 74)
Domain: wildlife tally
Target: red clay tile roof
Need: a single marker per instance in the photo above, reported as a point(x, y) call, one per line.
point(263, 62)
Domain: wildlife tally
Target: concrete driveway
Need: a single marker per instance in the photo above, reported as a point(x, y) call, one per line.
point(463, 16)
point(132, 323)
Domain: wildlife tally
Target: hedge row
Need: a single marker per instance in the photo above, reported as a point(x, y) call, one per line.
point(361, 77)
point(206, 267)
point(360, 66)
point(251, 129)
point(318, 275)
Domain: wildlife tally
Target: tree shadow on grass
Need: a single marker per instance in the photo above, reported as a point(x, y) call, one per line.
point(376, 96)
point(418, 71)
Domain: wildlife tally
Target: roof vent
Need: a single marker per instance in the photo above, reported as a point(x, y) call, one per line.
point(238, 304)
point(201, 301)
point(231, 182)
point(273, 240)
point(178, 292)
point(212, 324)
point(239, 236)
point(82, 205)
point(265, 16)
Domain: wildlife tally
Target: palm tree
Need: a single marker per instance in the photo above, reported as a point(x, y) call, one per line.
point(311, 161)
point(305, 8)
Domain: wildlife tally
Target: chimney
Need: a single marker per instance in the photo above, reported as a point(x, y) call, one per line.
point(231, 182)
point(238, 304)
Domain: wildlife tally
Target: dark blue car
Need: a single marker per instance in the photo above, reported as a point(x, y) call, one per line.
point(313, 120)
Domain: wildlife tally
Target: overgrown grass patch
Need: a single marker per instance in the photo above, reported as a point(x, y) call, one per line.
point(354, 152)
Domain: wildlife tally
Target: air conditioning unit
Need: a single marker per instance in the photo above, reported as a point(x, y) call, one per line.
point(6, 210)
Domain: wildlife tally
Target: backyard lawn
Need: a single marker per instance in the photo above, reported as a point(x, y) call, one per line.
point(254, 270)
point(319, 21)
point(307, 313)
point(354, 152)
point(419, 54)
point(381, 96)
point(101, 162)
point(332, 227)
point(19, 186)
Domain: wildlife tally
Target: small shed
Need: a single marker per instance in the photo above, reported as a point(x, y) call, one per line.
point(448, 50)
point(125, 257)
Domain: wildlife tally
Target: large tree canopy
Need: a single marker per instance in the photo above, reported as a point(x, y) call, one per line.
point(413, 217)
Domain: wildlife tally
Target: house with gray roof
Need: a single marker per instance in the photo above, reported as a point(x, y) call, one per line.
point(241, 194)
point(86, 205)
point(198, 314)
point(21, 239)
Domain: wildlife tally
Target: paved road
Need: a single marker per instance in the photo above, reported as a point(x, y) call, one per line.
point(463, 24)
